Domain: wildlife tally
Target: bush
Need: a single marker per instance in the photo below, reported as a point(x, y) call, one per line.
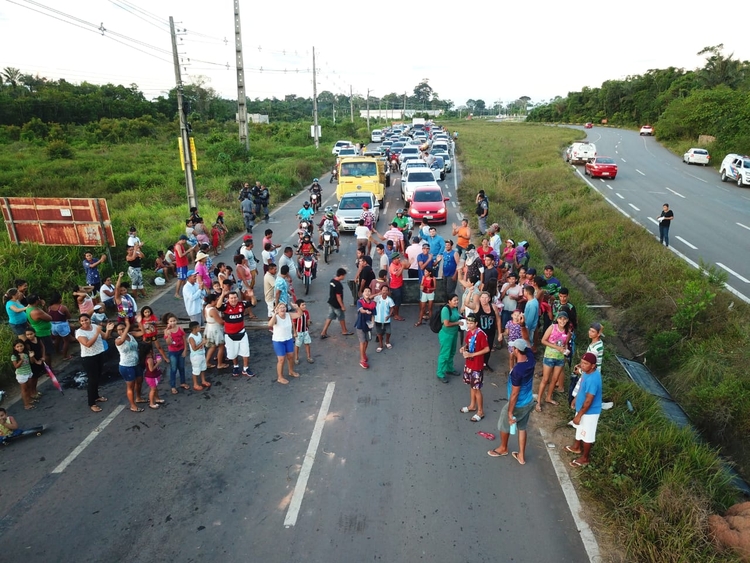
point(59, 149)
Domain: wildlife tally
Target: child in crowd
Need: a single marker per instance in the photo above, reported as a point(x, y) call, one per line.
point(176, 341)
point(152, 375)
point(148, 321)
point(301, 326)
point(22, 364)
point(197, 356)
point(161, 266)
point(426, 296)
point(512, 332)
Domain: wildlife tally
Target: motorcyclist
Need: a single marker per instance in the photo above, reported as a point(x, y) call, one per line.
point(307, 248)
point(329, 224)
point(306, 213)
point(404, 223)
point(334, 174)
point(316, 190)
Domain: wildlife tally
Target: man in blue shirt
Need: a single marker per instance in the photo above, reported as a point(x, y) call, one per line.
point(520, 403)
point(306, 212)
point(531, 311)
point(588, 406)
point(424, 259)
point(450, 267)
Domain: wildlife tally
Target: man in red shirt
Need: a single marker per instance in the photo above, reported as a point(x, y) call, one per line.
point(474, 348)
point(181, 253)
point(396, 283)
point(236, 341)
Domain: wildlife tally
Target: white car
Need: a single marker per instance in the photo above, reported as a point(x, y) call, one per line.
point(376, 136)
point(737, 168)
point(412, 162)
point(347, 151)
point(446, 160)
point(414, 179)
point(696, 156)
point(647, 130)
point(409, 150)
point(340, 145)
point(349, 209)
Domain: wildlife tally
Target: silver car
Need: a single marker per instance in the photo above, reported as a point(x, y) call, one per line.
point(447, 162)
point(349, 209)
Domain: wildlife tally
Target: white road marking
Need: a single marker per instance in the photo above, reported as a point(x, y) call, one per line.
point(453, 203)
point(460, 216)
point(449, 194)
point(686, 242)
point(623, 159)
point(587, 535)
point(720, 265)
point(744, 226)
point(385, 211)
point(675, 193)
point(654, 221)
point(633, 206)
point(696, 177)
point(312, 448)
point(90, 438)
point(610, 187)
point(639, 172)
point(618, 195)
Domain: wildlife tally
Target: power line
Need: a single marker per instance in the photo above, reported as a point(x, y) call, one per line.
point(163, 27)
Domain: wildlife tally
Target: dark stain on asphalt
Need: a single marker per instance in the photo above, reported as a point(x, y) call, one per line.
point(257, 425)
point(274, 439)
point(168, 518)
point(201, 528)
point(134, 427)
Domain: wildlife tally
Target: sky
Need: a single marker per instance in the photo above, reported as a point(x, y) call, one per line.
point(472, 50)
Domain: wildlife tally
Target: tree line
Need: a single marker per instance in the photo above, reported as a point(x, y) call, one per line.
point(682, 104)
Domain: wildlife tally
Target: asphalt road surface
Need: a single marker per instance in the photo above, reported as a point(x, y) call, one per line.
point(712, 218)
point(341, 465)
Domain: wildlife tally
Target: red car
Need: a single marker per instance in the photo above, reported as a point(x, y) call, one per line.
point(589, 125)
point(601, 166)
point(428, 203)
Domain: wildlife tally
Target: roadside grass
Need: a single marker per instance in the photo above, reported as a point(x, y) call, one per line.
point(144, 186)
point(653, 481)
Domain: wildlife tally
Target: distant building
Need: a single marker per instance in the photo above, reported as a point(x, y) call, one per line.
point(257, 118)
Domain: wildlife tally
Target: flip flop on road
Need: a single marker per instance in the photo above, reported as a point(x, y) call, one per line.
point(493, 453)
point(476, 418)
point(572, 451)
point(576, 463)
point(467, 409)
point(515, 456)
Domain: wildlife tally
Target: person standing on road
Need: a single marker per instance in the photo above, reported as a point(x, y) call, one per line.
point(474, 348)
point(181, 254)
point(450, 317)
point(283, 340)
point(588, 406)
point(269, 289)
point(396, 284)
point(450, 267)
point(483, 209)
point(193, 294)
point(463, 234)
point(236, 342)
point(248, 214)
point(517, 410)
point(665, 220)
point(336, 307)
point(129, 367)
point(92, 355)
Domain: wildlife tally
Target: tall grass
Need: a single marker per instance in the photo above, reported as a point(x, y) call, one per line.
point(655, 482)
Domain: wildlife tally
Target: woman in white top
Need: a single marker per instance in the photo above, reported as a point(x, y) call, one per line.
point(92, 355)
point(214, 332)
point(283, 340)
point(130, 370)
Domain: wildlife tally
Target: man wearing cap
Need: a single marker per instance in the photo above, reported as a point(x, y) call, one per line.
point(596, 347)
point(193, 294)
point(515, 414)
point(588, 406)
point(248, 214)
point(483, 209)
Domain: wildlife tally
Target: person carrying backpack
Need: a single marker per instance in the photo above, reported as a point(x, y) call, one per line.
point(449, 317)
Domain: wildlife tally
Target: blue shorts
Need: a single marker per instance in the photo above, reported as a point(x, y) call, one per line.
point(129, 373)
point(397, 294)
point(182, 273)
point(283, 348)
point(553, 362)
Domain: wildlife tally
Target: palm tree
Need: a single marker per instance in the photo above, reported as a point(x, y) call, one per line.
point(11, 75)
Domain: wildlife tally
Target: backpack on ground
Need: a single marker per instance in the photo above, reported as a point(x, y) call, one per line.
point(436, 323)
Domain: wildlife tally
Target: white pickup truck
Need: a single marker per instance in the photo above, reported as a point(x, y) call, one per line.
point(580, 153)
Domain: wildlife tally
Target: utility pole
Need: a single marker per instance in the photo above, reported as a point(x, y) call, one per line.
point(368, 110)
point(189, 177)
point(241, 98)
point(315, 103)
point(351, 103)
point(403, 114)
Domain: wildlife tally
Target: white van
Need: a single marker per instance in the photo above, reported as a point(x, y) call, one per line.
point(376, 136)
point(580, 153)
point(737, 168)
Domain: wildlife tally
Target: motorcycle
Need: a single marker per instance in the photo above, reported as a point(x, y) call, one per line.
point(334, 175)
point(315, 201)
point(308, 265)
point(328, 245)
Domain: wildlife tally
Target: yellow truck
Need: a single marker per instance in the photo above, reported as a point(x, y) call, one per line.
point(362, 173)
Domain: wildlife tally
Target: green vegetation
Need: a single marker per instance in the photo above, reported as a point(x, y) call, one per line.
point(652, 480)
point(134, 164)
point(682, 105)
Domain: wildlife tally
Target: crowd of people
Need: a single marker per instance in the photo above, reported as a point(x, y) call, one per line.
point(494, 297)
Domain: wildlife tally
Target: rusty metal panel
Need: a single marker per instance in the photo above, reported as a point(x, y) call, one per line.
point(58, 221)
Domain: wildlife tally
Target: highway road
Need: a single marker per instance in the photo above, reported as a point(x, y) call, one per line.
point(341, 465)
point(712, 218)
